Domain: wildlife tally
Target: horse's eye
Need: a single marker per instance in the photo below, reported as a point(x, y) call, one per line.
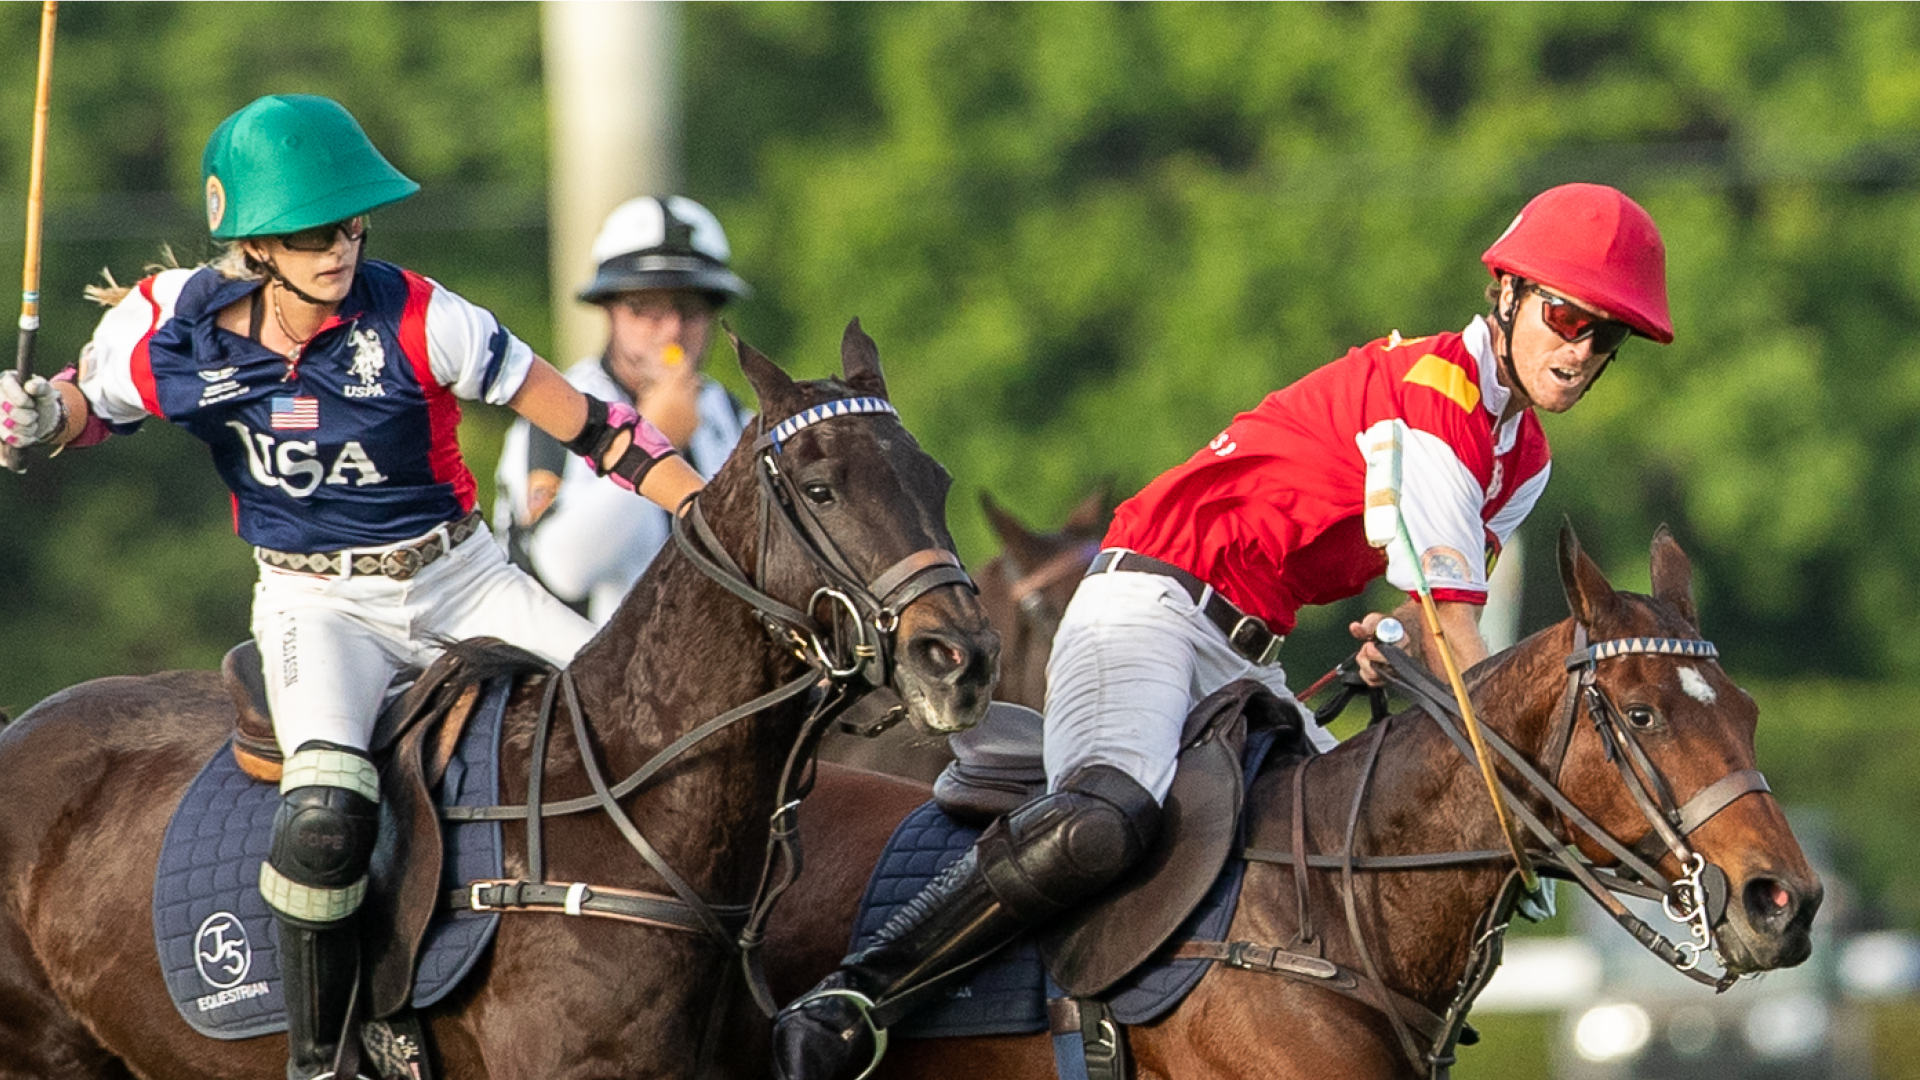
point(1642, 717)
point(819, 494)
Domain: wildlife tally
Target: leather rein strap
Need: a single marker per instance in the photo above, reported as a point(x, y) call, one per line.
point(837, 672)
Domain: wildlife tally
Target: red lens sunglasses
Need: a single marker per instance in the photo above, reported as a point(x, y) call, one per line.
point(1575, 323)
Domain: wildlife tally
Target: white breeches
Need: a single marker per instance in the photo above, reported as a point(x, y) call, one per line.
point(1133, 655)
point(330, 646)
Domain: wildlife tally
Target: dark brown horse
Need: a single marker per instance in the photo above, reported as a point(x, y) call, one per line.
point(92, 774)
point(1024, 589)
point(1694, 725)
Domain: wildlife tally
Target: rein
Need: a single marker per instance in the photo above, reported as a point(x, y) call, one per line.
point(848, 660)
point(1696, 900)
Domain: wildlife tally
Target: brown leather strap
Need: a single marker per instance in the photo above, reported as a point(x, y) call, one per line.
point(1314, 971)
point(578, 898)
point(1303, 933)
point(1251, 956)
point(1717, 796)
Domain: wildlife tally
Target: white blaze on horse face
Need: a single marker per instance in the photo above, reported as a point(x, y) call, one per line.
point(1695, 684)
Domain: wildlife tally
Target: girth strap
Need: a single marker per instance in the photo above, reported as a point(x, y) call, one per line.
point(579, 898)
point(1314, 971)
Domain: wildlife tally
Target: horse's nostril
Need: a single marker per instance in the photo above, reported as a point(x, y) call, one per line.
point(1769, 900)
point(942, 657)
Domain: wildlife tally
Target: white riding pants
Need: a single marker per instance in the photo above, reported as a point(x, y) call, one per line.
point(1132, 657)
point(330, 645)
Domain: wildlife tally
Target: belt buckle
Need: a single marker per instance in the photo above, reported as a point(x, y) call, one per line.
point(401, 563)
point(1246, 635)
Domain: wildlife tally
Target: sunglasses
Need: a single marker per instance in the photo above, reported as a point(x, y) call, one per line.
point(1575, 323)
point(658, 305)
point(320, 237)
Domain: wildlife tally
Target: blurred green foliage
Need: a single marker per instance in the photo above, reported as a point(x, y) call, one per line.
point(1085, 235)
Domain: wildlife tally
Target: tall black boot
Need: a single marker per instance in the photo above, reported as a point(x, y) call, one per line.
point(317, 972)
point(1025, 870)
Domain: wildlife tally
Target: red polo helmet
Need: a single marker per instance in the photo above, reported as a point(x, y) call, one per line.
point(1593, 243)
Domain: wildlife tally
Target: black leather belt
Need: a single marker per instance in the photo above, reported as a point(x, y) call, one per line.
point(398, 563)
point(1247, 634)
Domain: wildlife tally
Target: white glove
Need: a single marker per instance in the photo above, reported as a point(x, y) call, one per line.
point(30, 412)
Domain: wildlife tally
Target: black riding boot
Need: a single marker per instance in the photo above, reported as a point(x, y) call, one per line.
point(317, 972)
point(1025, 870)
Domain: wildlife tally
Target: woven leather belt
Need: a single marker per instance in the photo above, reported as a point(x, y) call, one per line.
point(398, 563)
point(1246, 634)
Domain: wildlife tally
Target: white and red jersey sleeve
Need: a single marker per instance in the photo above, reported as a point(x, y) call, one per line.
point(1467, 481)
point(115, 372)
point(467, 348)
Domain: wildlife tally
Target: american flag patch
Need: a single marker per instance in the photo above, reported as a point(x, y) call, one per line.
point(296, 413)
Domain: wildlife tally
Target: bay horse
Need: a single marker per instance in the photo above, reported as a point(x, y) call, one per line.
point(93, 772)
point(1664, 718)
point(1024, 589)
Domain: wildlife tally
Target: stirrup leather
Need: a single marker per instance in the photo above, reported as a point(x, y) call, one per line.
point(865, 1005)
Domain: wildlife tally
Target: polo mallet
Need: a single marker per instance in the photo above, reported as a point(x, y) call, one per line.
point(1385, 525)
point(36, 179)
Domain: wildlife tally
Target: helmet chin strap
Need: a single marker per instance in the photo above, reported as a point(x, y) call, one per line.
point(1505, 318)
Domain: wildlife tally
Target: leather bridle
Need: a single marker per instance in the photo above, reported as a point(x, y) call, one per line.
point(848, 657)
point(1697, 899)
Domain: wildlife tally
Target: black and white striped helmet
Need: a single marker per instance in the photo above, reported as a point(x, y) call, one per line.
point(657, 242)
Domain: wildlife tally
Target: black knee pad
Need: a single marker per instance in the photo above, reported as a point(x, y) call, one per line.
point(1061, 848)
point(323, 834)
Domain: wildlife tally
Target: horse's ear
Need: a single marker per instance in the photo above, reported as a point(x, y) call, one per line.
point(1018, 541)
point(1588, 593)
point(1091, 514)
point(769, 383)
point(860, 362)
point(1673, 576)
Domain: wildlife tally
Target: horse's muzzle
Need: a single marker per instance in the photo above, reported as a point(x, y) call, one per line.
point(1769, 922)
point(947, 665)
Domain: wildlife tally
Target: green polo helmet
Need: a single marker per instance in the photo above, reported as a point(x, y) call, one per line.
point(288, 162)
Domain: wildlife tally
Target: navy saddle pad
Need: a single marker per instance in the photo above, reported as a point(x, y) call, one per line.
point(1008, 995)
point(218, 940)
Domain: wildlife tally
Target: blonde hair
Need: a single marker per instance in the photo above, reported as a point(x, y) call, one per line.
point(231, 262)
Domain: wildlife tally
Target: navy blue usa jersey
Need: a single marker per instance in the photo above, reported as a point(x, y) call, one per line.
point(352, 445)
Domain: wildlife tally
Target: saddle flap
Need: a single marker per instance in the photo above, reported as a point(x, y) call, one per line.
point(1199, 825)
point(400, 903)
point(996, 767)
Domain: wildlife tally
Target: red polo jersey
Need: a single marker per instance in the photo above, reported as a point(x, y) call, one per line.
point(1269, 512)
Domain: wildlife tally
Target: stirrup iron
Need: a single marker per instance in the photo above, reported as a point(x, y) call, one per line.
point(865, 1005)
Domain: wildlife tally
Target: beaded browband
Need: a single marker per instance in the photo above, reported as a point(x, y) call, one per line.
point(792, 425)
